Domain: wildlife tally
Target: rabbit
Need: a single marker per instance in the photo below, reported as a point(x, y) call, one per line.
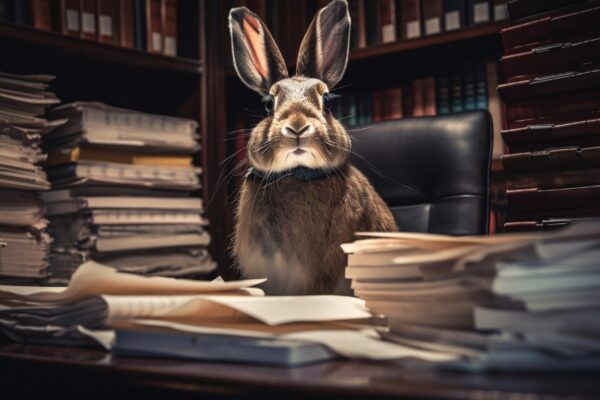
point(300, 199)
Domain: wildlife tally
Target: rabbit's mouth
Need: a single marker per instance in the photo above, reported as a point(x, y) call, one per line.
point(299, 151)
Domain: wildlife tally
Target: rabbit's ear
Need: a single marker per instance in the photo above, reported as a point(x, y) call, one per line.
point(256, 57)
point(324, 49)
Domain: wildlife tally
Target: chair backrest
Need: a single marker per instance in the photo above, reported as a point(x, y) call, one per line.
point(433, 172)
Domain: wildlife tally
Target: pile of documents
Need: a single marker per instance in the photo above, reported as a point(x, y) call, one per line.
point(502, 302)
point(217, 320)
point(123, 186)
point(23, 240)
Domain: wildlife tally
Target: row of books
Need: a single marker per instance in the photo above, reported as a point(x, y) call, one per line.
point(551, 94)
point(149, 25)
point(511, 302)
point(387, 21)
point(122, 188)
point(469, 89)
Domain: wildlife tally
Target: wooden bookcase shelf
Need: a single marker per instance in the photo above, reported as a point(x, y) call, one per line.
point(474, 36)
point(96, 50)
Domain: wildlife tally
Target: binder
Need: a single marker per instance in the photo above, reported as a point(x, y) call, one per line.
point(552, 58)
point(581, 133)
point(563, 202)
point(562, 159)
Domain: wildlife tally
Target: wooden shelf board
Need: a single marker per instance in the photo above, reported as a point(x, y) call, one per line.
point(97, 50)
point(444, 38)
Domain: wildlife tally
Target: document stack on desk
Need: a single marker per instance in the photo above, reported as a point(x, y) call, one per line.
point(23, 240)
point(158, 316)
point(122, 183)
point(508, 302)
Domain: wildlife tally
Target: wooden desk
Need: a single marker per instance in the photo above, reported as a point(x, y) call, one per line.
point(52, 371)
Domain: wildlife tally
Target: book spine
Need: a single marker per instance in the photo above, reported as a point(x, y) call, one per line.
point(418, 100)
point(377, 109)
point(443, 95)
point(127, 23)
point(432, 11)
point(456, 93)
point(170, 45)
point(395, 103)
point(469, 97)
point(429, 96)
point(69, 17)
point(89, 12)
point(478, 11)
point(154, 26)
point(454, 14)
point(372, 22)
point(388, 21)
point(411, 19)
point(106, 20)
point(41, 14)
point(140, 24)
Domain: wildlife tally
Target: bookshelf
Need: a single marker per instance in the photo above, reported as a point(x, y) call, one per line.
point(179, 86)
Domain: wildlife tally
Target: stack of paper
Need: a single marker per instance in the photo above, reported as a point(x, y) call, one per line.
point(122, 183)
point(23, 240)
point(524, 301)
point(157, 316)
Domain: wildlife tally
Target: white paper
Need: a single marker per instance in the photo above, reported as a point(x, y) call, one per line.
point(94, 279)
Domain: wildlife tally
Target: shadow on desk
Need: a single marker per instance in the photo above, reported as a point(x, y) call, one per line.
point(65, 372)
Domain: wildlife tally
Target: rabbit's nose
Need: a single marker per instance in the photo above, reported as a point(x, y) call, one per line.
point(297, 132)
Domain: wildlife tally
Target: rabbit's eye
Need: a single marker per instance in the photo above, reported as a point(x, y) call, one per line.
point(328, 100)
point(269, 103)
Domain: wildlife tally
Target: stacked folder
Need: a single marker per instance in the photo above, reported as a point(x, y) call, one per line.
point(516, 301)
point(552, 92)
point(23, 239)
point(123, 186)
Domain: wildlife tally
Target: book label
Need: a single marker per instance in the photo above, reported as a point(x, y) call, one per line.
point(432, 26)
point(500, 12)
point(88, 23)
point(156, 41)
point(388, 33)
point(481, 12)
point(72, 20)
point(413, 29)
point(170, 46)
point(106, 25)
point(452, 20)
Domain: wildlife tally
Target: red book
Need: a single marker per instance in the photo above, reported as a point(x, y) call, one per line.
point(127, 23)
point(88, 19)
point(41, 14)
point(429, 96)
point(357, 13)
point(107, 10)
point(418, 100)
point(154, 26)
point(394, 103)
point(411, 19)
point(387, 19)
point(170, 46)
point(377, 109)
point(433, 12)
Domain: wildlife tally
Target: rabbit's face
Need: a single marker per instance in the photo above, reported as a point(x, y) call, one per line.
point(300, 130)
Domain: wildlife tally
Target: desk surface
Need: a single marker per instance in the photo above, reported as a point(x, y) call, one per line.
point(60, 366)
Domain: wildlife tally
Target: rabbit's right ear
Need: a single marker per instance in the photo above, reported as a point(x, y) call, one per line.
point(256, 57)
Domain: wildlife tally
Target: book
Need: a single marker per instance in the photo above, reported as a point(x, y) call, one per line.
point(89, 13)
point(140, 8)
point(170, 28)
point(88, 153)
point(358, 34)
point(41, 14)
point(154, 26)
point(411, 19)
point(372, 24)
point(127, 23)
point(454, 14)
point(387, 20)
point(500, 10)
point(67, 18)
point(433, 12)
point(106, 20)
point(559, 159)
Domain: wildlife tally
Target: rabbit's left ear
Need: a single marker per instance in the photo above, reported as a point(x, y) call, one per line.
point(256, 57)
point(325, 46)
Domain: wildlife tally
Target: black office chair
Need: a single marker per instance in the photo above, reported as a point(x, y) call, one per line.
point(433, 172)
